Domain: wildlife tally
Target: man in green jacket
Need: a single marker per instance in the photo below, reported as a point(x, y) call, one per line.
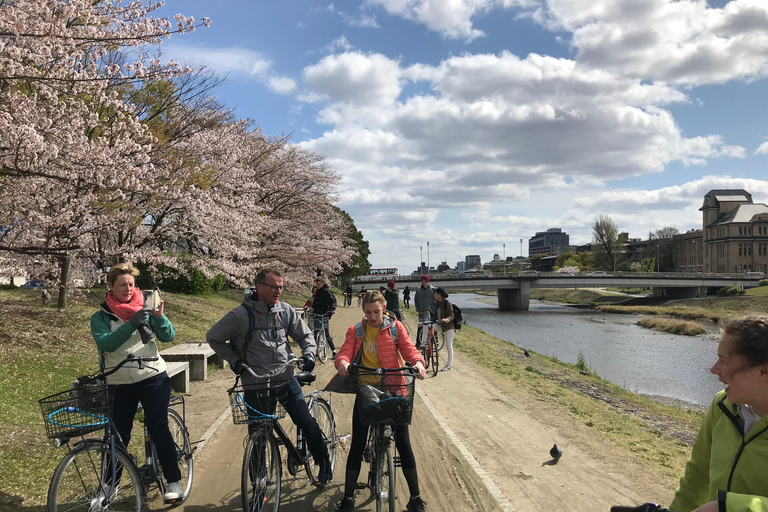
point(728, 468)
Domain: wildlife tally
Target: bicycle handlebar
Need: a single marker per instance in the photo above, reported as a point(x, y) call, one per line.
point(294, 361)
point(104, 374)
point(645, 507)
point(355, 368)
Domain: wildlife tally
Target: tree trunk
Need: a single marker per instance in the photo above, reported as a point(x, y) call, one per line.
point(66, 264)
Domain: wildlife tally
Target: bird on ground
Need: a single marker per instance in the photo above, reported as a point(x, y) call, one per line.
point(556, 453)
point(525, 351)
point(46, 297)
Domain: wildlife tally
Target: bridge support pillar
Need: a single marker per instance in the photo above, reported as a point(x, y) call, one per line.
point(510, 300)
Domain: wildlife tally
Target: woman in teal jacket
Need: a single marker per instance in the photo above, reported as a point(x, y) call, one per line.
point(122, 326)
point(728, 468)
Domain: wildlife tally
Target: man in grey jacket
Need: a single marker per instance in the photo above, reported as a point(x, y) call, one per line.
point(268, 325)
point(424, 300)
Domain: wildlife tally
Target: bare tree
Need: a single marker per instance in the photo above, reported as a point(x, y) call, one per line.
point(661, 247)
point(605, 239)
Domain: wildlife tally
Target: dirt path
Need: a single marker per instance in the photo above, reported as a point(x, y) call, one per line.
point(481, 443)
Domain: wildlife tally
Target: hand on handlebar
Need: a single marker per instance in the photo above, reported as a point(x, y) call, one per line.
point(422, 372)
point(343, 368)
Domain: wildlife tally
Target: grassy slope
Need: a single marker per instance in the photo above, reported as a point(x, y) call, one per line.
point(43, 350)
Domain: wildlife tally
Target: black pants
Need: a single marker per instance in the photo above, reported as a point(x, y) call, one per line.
point(360, 437)
point(153, 393)
point(292, 398)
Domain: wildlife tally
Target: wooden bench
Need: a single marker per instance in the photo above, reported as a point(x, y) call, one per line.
point(196, 353)
point(178, 371)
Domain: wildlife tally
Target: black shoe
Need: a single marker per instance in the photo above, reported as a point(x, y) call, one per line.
point(346, 505)
point(416, 504)
point(325, 474)
point(333, 355)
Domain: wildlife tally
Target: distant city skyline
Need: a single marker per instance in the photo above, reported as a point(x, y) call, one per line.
point(475, 123)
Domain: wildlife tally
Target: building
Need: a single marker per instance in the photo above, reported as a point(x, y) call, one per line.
point(552, 242)
point(688, 252)
point(472, 261)
point(460, 266)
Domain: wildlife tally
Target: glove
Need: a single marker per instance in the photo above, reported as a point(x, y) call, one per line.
point(145, 331)
point(239, 366)
point(308, 362)
point(141, 317)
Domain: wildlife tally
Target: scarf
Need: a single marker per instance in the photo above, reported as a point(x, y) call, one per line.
point(125, 310)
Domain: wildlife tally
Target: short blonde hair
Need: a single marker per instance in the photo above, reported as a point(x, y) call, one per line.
point(121, 269)
point(374, 296)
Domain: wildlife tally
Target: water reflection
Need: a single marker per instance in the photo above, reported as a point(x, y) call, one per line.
point(638, 359)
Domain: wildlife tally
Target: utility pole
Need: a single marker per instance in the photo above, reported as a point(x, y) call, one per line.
point(504, 252)
point(421, 259)
point(427, 258)
point(521, 247)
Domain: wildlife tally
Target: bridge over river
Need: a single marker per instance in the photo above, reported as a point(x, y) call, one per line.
point(514, 289)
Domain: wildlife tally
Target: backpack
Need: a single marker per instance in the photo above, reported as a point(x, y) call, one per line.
point(392, 331)
point(332, 305)
point(253, 325)
point(457, 318)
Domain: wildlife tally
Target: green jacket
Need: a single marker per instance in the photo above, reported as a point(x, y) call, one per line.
point(725, 466)
point(393, 301)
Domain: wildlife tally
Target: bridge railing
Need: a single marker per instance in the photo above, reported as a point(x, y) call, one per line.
point(533, 273)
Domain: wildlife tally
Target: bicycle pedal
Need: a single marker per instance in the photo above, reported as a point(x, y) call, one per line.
point(361, 485)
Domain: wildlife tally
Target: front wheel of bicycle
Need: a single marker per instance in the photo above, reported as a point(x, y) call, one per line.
point(322, 346)
point(425, 355)
point(261, 477)
point(434, 356)
point(83, 481)
point(386, 490)
point(180, 436)
point(321, 411)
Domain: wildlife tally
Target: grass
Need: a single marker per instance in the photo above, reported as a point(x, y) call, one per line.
point(575, 296)
point(43, 350)
point(670, 325)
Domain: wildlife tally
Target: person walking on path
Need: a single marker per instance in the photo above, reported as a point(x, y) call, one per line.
point(407, 297)
point(123, 327)
point(393, 300)
point(443, 314)
point(375, 348)
point(729, 460)
point(424, 300)
point(274, 322)
point(360, 295)
point(325, 304)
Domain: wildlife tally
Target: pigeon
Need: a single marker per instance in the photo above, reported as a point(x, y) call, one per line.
point(46, 297)
point(525, 351)
point(556, 453)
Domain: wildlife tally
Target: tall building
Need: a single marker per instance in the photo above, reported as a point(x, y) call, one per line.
point(552, 242)
point(472, 261)
point(461, 266)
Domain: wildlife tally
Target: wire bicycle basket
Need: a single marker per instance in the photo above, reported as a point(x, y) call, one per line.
point(82, 409)
point(318, 322)
point(255, 403)
point(386, 402)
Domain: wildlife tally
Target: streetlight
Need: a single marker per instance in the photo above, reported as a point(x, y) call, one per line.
point(504, 251)
point(421, 259)
point(658, 266)
point(521, 247)
point(427, 258)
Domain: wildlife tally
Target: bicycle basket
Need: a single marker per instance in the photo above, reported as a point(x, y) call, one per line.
point(78, 411)
point(255, 403)
point(390, 402)
point(318, 322)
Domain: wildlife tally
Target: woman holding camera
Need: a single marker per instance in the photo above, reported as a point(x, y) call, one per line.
point(124, 326)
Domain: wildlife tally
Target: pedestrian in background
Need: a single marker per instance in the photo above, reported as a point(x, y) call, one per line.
point(407, 297)
point(443, 314)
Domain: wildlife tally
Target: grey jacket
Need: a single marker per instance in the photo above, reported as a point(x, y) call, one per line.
point(424, 299)
point(269, 348)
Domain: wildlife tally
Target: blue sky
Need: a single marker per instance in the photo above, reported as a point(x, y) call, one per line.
point(474, 123)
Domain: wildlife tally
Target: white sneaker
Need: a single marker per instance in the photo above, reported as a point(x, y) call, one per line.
point(173, 492)
point(446, 368)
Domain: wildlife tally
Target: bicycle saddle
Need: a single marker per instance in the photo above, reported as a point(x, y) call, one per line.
point(306, 378)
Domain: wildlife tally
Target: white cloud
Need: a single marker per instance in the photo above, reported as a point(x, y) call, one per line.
point(282, 85)
point(340, 43)
point(361, 20)
point(763, 149)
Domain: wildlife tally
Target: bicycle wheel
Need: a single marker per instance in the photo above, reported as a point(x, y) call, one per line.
point(386, 491)
point(425, 355)
point(440, 341)
point(321, 411)
point(435, 358)
point(183, 452)
point(261, 477)
point(322, 346)
point(83, 479)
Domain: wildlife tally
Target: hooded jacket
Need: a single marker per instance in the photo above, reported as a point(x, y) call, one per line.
point(424, 298)
point(389, 353)
point(115, 339)
point(726, 466)
point(323, 301)
point(269, 346)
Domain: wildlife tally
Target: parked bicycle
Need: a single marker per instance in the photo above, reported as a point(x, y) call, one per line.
point(100, 474)
point(431, 348)
point(385, 399)
point(259, 404)
point(319, 324)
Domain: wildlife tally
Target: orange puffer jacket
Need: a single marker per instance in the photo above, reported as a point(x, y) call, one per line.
point(388, 351)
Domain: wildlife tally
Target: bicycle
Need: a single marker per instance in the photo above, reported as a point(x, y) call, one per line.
point(319, 323)
point(259, 404)
point(100, 474)
point(384, 400)
point(645, 507)
point(430, 350)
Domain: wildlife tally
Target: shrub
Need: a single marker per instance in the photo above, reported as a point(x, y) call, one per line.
point(190, 281)
point(763, 282)
point(729, 291)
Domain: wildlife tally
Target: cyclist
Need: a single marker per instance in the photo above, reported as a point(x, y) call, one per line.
point(443, 314)
point(273, 322)
point(376, 349)
point(729, 461)
point(424, 300)
point(393, 300)
point(117, 329)
point(324, 304)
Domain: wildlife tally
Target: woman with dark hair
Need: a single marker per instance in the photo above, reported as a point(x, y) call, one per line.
point(121, 327)
point(729, 461)
point(443, 314)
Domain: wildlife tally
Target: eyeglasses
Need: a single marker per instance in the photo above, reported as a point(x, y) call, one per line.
point(273, 287)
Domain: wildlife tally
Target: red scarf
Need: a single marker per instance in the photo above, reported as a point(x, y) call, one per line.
point(125, 310)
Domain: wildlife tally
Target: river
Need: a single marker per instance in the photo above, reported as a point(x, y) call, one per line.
point(637, 359)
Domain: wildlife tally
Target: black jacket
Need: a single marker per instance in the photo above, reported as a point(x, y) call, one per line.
point(323, 301)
